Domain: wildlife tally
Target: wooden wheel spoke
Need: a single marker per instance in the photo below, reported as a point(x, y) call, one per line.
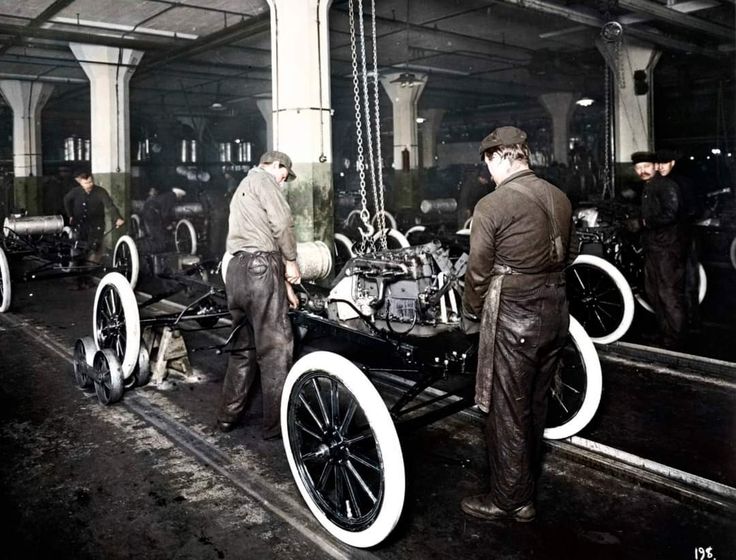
point(345, 424)
point(352, 502)
point(365, 462)
point(334, 402)
point(311, 412)
point(367, 433)
point(326, 470)
point(306, 430)
point(318, 394)
point(362, 483)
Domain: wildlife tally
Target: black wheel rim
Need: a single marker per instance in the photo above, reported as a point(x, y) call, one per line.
point(183, 240)
point(104, 380)
point(569, 386)
point(335, 451)
point(80, 365)
point(111, 322)
point(595, 300)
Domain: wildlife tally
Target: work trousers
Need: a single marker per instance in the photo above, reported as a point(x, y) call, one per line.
point(157, 239)
point(256, 298)
point(90, 250)
point(664, 283)
point(531, 332)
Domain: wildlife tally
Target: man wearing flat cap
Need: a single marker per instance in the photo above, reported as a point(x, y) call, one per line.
point(520, 243)
point(258, 280)
point(664, 243)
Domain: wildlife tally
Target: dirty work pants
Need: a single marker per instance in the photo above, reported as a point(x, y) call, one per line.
point(530, 334)
point(664, 283)
point(91, 249)
point(157, 238)
point(256, 298)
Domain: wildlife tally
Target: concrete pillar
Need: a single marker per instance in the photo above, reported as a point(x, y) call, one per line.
point(632, 113)
point(301, 110)
point(430, 129)
point(26, 99)
point(265, 106)
point(404, 98)
point(109, 70)
point(560, 106)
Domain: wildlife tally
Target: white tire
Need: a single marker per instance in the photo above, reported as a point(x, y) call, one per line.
point(6, 292)
point(732, 252)
point(135, 227)
point(116, 321)
point(606, 305)
point(581, 361)
point(344, 242)
point(126, 256)
point(185, 237)
point(353, 425)
point(395, 237)
point(414, 229)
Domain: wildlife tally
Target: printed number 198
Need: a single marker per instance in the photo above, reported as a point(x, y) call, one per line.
point(704, 553)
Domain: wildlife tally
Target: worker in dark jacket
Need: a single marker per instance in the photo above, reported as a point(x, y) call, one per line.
point(665, 248)
point(85, 207)
point(691, 210)
point(519, 247)
point(158, 219)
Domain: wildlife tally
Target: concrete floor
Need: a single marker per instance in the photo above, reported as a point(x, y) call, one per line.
point(149, 477)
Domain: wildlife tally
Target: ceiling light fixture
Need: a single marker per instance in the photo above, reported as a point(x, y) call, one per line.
point(405, 79)
point(217, 106)
point(585, 102)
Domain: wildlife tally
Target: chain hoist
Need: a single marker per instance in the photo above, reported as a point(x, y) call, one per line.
point(361, 98)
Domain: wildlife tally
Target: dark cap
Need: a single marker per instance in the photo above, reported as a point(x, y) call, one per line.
point(641, 157)
point(282, 158)
point(666, 155)
point(503, 136)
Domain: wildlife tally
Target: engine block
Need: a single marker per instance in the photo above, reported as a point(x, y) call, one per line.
point(413, 289)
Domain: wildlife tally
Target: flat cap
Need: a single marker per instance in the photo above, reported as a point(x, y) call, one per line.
point(282, 158)
point(503, 136)
point(641, 157)
point(666, 155)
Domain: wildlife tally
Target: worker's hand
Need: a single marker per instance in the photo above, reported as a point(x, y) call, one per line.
point(119, 222)
point(469, 322)
point(291, 296)
point(293, 274)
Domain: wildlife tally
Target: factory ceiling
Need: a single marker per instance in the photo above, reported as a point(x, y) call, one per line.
point(212, 57)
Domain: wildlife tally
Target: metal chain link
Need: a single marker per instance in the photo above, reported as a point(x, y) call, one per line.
point(366, 243)
point(369, 127)
point(365, 106)
point(379, 158)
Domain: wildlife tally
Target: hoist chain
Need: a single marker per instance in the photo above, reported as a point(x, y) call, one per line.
point(365, 84)
point(379, 158)
point(366, 242)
